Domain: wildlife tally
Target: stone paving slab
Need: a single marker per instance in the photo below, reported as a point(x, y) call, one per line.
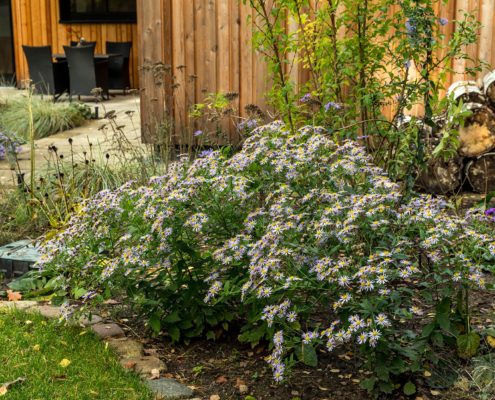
point(90, 132)
point(126, 348)
point(48, 311)
point(169, 389)
point(146, 365)
point(104, 331)
point(19, 305)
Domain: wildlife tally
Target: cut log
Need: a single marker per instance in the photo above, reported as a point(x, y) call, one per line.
point(440, 176)
point(480, 173)
point(489, 87)
point(477, 136)
point(467, 91)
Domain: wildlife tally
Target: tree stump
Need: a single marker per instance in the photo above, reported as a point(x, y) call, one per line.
point(480, 173)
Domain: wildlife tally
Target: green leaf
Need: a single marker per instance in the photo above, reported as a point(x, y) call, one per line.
point(172, 318)
point(369, 384)
point(210, 335)
point(409, 388)
point(468, 345)
point(443, 314)
point(174, 333)
point(155, 323)
point(307, 354)
point(79, 292)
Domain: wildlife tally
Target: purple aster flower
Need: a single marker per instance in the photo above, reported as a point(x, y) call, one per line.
point(407, 64)
point(305, 98)
point(333, 105)
point(490, 212)
point(198, 133)
point(443, 21)
point(206, 153)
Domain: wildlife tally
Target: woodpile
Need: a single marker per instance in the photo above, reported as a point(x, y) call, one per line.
point(473, 168)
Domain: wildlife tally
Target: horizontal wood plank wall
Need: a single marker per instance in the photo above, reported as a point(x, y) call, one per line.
point(36, 23)
point(208, 49)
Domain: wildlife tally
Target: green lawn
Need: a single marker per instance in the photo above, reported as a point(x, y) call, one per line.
point(34, 348)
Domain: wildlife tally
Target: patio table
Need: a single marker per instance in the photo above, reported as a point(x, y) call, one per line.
point(98, 57)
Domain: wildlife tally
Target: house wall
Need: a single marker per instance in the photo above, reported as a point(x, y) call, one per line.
point(36, 23)
point(195, 47)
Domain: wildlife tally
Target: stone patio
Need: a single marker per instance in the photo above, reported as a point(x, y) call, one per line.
point(102, 140)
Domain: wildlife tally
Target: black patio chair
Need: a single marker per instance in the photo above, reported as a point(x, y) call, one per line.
point(118, 67)
point(48, 77)
point(85, 73)
point(76, 44)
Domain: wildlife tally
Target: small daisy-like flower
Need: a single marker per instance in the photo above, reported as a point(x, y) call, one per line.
point(382, 320)
point(362, 338)
point(416, 310)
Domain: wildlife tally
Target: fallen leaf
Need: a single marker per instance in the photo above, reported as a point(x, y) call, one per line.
point(5, 387)
point(111, 302)
point(491, 341)
point(427, 373)
point(221, 379)
point(129, 365)
point(13, 296)
point(335, 371)
point(36, 347)
point(239, 382)
point(214, 397)
point(155, 374)
point(243, 389)
point(435, 392)
point(65, 363)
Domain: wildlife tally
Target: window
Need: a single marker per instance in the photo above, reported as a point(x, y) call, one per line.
point(91, 11)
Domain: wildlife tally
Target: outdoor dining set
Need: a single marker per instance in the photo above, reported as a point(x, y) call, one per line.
point(79, 71)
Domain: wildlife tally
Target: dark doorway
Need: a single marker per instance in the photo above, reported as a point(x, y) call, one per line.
point(7, 70)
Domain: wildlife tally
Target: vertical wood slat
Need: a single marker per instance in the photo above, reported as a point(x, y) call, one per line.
point(213, 41)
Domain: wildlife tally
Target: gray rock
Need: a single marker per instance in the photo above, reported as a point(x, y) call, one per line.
point(126, 348)
point(169, 389)
point(104, 331)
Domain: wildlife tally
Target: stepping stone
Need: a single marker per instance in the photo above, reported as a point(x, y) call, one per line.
point(86, 321)
point(19, 305)
point(104, 331)
point(48, 311)
point(126, 348)
point(146, 365)
point(169, 389)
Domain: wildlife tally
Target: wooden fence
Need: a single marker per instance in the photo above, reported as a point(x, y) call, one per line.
point(191, 48)
point(36, 23)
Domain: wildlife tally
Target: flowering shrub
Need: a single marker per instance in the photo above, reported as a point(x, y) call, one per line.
point(303, 240)
point(8, 146)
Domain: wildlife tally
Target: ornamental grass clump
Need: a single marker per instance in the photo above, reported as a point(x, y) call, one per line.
point(301, 240)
